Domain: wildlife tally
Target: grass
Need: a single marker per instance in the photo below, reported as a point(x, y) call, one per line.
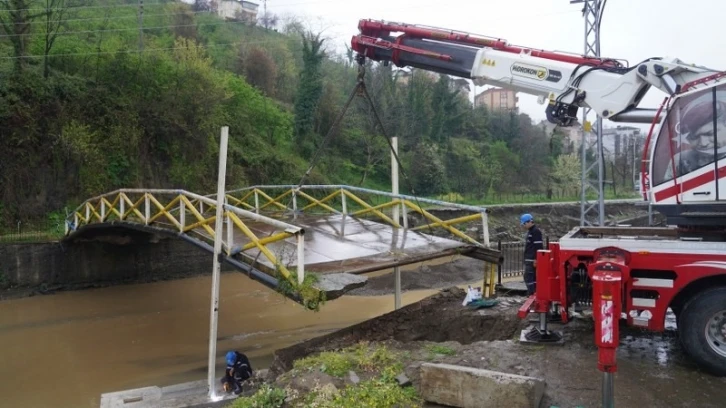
point(439, 349)
point(361, 357)
point(379, 390)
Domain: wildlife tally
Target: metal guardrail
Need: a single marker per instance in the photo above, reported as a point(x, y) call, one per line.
point(513, 253)
point(191, 214)
point(357, 202)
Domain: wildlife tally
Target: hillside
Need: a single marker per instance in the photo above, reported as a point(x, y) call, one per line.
point(86, 109)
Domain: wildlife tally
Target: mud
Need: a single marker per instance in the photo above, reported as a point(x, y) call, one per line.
point(437, 318)
point(652, 369)
point(457, 272)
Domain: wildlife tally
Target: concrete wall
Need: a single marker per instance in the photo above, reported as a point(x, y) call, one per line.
point(133, 257)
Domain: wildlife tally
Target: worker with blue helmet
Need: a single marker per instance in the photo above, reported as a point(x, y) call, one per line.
point(237, 371)
point(533, 243)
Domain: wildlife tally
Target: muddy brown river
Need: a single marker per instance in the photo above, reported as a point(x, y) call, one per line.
point(65, 350)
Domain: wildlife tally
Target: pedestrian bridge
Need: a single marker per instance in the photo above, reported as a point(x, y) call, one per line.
point(287, 236)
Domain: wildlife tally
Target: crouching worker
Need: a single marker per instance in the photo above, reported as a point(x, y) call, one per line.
point(238, 371)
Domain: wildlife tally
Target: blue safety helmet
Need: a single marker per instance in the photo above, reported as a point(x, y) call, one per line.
point(525, 218)
point(231, 357)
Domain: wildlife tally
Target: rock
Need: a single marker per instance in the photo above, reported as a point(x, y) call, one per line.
point(403, 380)
point(313, 380)
point(467, 387)
point(353, 377)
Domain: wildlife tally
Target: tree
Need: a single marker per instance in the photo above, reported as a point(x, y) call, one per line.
point(184, 21)
point(260, 71)
point(269, 20)
point(55, 14)
point(201, 6)
point(428, 174)
point(567, 173)
point(309, 91)
point(17, 28)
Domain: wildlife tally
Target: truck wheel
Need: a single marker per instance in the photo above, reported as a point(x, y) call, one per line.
point(702, 329)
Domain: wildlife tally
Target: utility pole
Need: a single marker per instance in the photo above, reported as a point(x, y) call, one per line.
point(214, 309)
point(141, 25)
point(592, 11)
point(264, 10)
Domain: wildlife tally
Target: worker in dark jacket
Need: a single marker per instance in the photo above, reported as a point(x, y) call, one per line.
point(533, 243)
point(238, 370)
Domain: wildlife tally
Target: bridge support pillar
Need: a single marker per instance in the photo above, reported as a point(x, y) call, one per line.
point(147, 209)
point(485, 228)
point(394, 177)
point(397, 287)
point(214, 309)
point(300, 258)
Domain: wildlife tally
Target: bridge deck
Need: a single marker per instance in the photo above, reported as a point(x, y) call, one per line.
point(338, 243)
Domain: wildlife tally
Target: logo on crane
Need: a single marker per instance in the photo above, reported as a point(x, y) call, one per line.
point(535, 72)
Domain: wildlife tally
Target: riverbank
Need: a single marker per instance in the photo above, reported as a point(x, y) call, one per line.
point(386, 353)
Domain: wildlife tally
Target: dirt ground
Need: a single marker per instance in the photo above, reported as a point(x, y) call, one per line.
point(457, 272)
point(652, 369)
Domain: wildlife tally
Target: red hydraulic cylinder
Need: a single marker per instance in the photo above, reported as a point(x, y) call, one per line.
point(606, 298)
point(607, 274)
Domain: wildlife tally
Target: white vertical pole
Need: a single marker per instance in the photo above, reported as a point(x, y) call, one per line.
point(394, 176)
point(147, 208)
point(182, 215)
point(397, 285)
point(214, 310)
point(257, 202)
point(230, 234)
point(300, 259)
point(485, 227)
point(88, 212)
point(122, 206)
point(103, 210)
point(342, 199)
point(294, 204)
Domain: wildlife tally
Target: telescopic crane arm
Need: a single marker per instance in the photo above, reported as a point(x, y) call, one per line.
point(567, 81)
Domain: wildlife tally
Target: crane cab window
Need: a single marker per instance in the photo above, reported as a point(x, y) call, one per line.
point(689, 139)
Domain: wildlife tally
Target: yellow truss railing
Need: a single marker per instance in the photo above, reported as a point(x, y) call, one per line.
point(192, 214)
point(341, 199)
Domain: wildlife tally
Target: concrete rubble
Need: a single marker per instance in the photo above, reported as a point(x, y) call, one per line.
point(336, 284)
point(467, 387)
point(187, 395)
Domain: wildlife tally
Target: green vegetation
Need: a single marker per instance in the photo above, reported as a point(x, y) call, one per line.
point(265, 397)
point(311, 297)
point(361, 357)
point(439, 349)
point(377, 364)
point(89, 106)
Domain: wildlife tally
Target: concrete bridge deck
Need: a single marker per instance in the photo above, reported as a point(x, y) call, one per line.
point(340, 243)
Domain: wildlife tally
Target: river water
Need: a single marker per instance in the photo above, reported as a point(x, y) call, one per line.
point(65, 350)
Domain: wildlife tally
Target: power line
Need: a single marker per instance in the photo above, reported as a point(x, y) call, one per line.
point(137, 52)
point(115, 18)
point(123, 29)
point(148, 4)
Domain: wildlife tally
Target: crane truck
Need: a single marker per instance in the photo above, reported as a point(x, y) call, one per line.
point(632, 275)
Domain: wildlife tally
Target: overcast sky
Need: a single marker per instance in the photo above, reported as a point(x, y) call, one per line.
point(634, 30)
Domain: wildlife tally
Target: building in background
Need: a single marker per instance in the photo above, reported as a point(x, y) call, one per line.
point(572, 134)
point(245, 11)
point(498, 99)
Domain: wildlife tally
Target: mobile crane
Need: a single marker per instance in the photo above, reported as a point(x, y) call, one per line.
point(623, 273)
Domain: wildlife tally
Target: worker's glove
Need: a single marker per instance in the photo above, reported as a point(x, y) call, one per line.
point(534, 264)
